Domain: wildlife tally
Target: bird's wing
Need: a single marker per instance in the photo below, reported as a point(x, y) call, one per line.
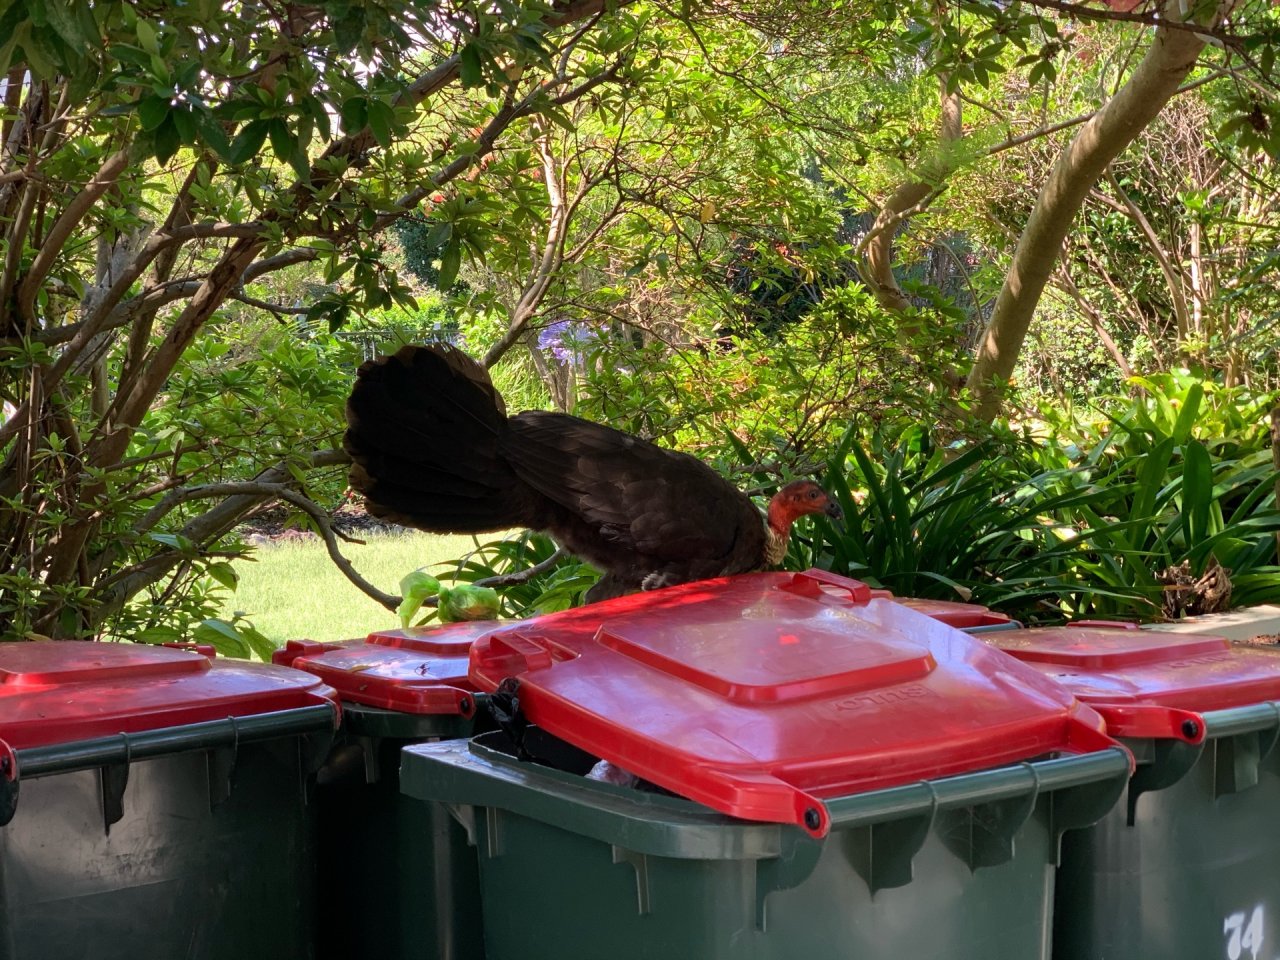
point(658, 503)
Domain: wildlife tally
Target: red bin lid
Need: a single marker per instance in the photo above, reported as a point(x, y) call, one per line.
point(951, 612)
point(956, 614)
point(1118, 668)
point(418, 671)
point(54, 693)
point(759, 695)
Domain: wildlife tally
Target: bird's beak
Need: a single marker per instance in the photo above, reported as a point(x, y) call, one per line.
point(833, 510)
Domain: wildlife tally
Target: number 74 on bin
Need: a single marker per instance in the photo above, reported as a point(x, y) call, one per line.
point(1242, 936)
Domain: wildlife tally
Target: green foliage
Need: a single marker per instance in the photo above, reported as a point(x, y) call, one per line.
point(558, 587)
point(934, 521)
point(424, 244)
point(230, 411)
point(648, 174)
point(788, 397)
point(173, 172)
point(1046, 529)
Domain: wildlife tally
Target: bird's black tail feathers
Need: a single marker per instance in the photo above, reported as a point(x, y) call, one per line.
point(423, 431)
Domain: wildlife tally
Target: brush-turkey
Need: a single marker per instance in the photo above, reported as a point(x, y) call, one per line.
point(433, 448)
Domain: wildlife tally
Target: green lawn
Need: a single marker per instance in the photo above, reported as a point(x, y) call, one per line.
point(292, 590)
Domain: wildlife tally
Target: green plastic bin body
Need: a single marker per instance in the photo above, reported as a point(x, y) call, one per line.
point(1188, 866)
point(398, 878)
point(193, 842)
point(960, 868)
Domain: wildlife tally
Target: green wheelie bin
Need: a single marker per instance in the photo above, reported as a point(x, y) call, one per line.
point(766, 767)
point(154, 804)
point(1188, 864)
point(398, 879)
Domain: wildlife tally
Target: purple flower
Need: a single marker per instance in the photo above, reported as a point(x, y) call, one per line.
point(563, 339)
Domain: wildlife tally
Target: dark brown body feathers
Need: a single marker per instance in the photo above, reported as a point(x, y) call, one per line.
point(434, 449)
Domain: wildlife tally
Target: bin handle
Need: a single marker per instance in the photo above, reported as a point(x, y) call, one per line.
point(809, 583)
point(293, 649)
point(204, 649)
point(125, 748)
point(984, 786)
point(1246, 719)
point(513, 651)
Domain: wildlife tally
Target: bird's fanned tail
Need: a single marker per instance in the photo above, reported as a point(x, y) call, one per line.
point(423, 429)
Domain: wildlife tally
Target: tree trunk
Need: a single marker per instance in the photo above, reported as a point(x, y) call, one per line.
point(907, 200)
point(1168, 60)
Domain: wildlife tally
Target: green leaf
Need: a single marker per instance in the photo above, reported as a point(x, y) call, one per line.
point(1197, 491)
point(556, 115)
point(282, 142)
point(450, 264)
point(223, 637)
point(148, 39)
point(354, 112)
point(152, 112)
point(186, 124)
point(1188, 414)
point(66, 23)
point(90, 31)
point(349, 28)
point(380, 119)
point(470, 67)
point(159, 635)
point(174, 540)
point(6, 53)
point(320, 116)
point(167, 140)
point(248, 141)
point(41, 61)
point(262, 646)
point(213, 135)
point(224, 573)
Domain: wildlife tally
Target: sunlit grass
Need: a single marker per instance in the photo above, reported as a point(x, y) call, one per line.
point(293, 590)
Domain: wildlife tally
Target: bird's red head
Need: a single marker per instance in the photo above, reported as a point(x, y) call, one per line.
point(797, 499)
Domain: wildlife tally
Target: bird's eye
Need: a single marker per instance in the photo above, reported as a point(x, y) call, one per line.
point(813, 494)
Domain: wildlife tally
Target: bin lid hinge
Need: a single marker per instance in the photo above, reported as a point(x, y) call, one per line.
point(1236, 760)
point(882, 853)
point(1082, 806)
point(315, 746)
